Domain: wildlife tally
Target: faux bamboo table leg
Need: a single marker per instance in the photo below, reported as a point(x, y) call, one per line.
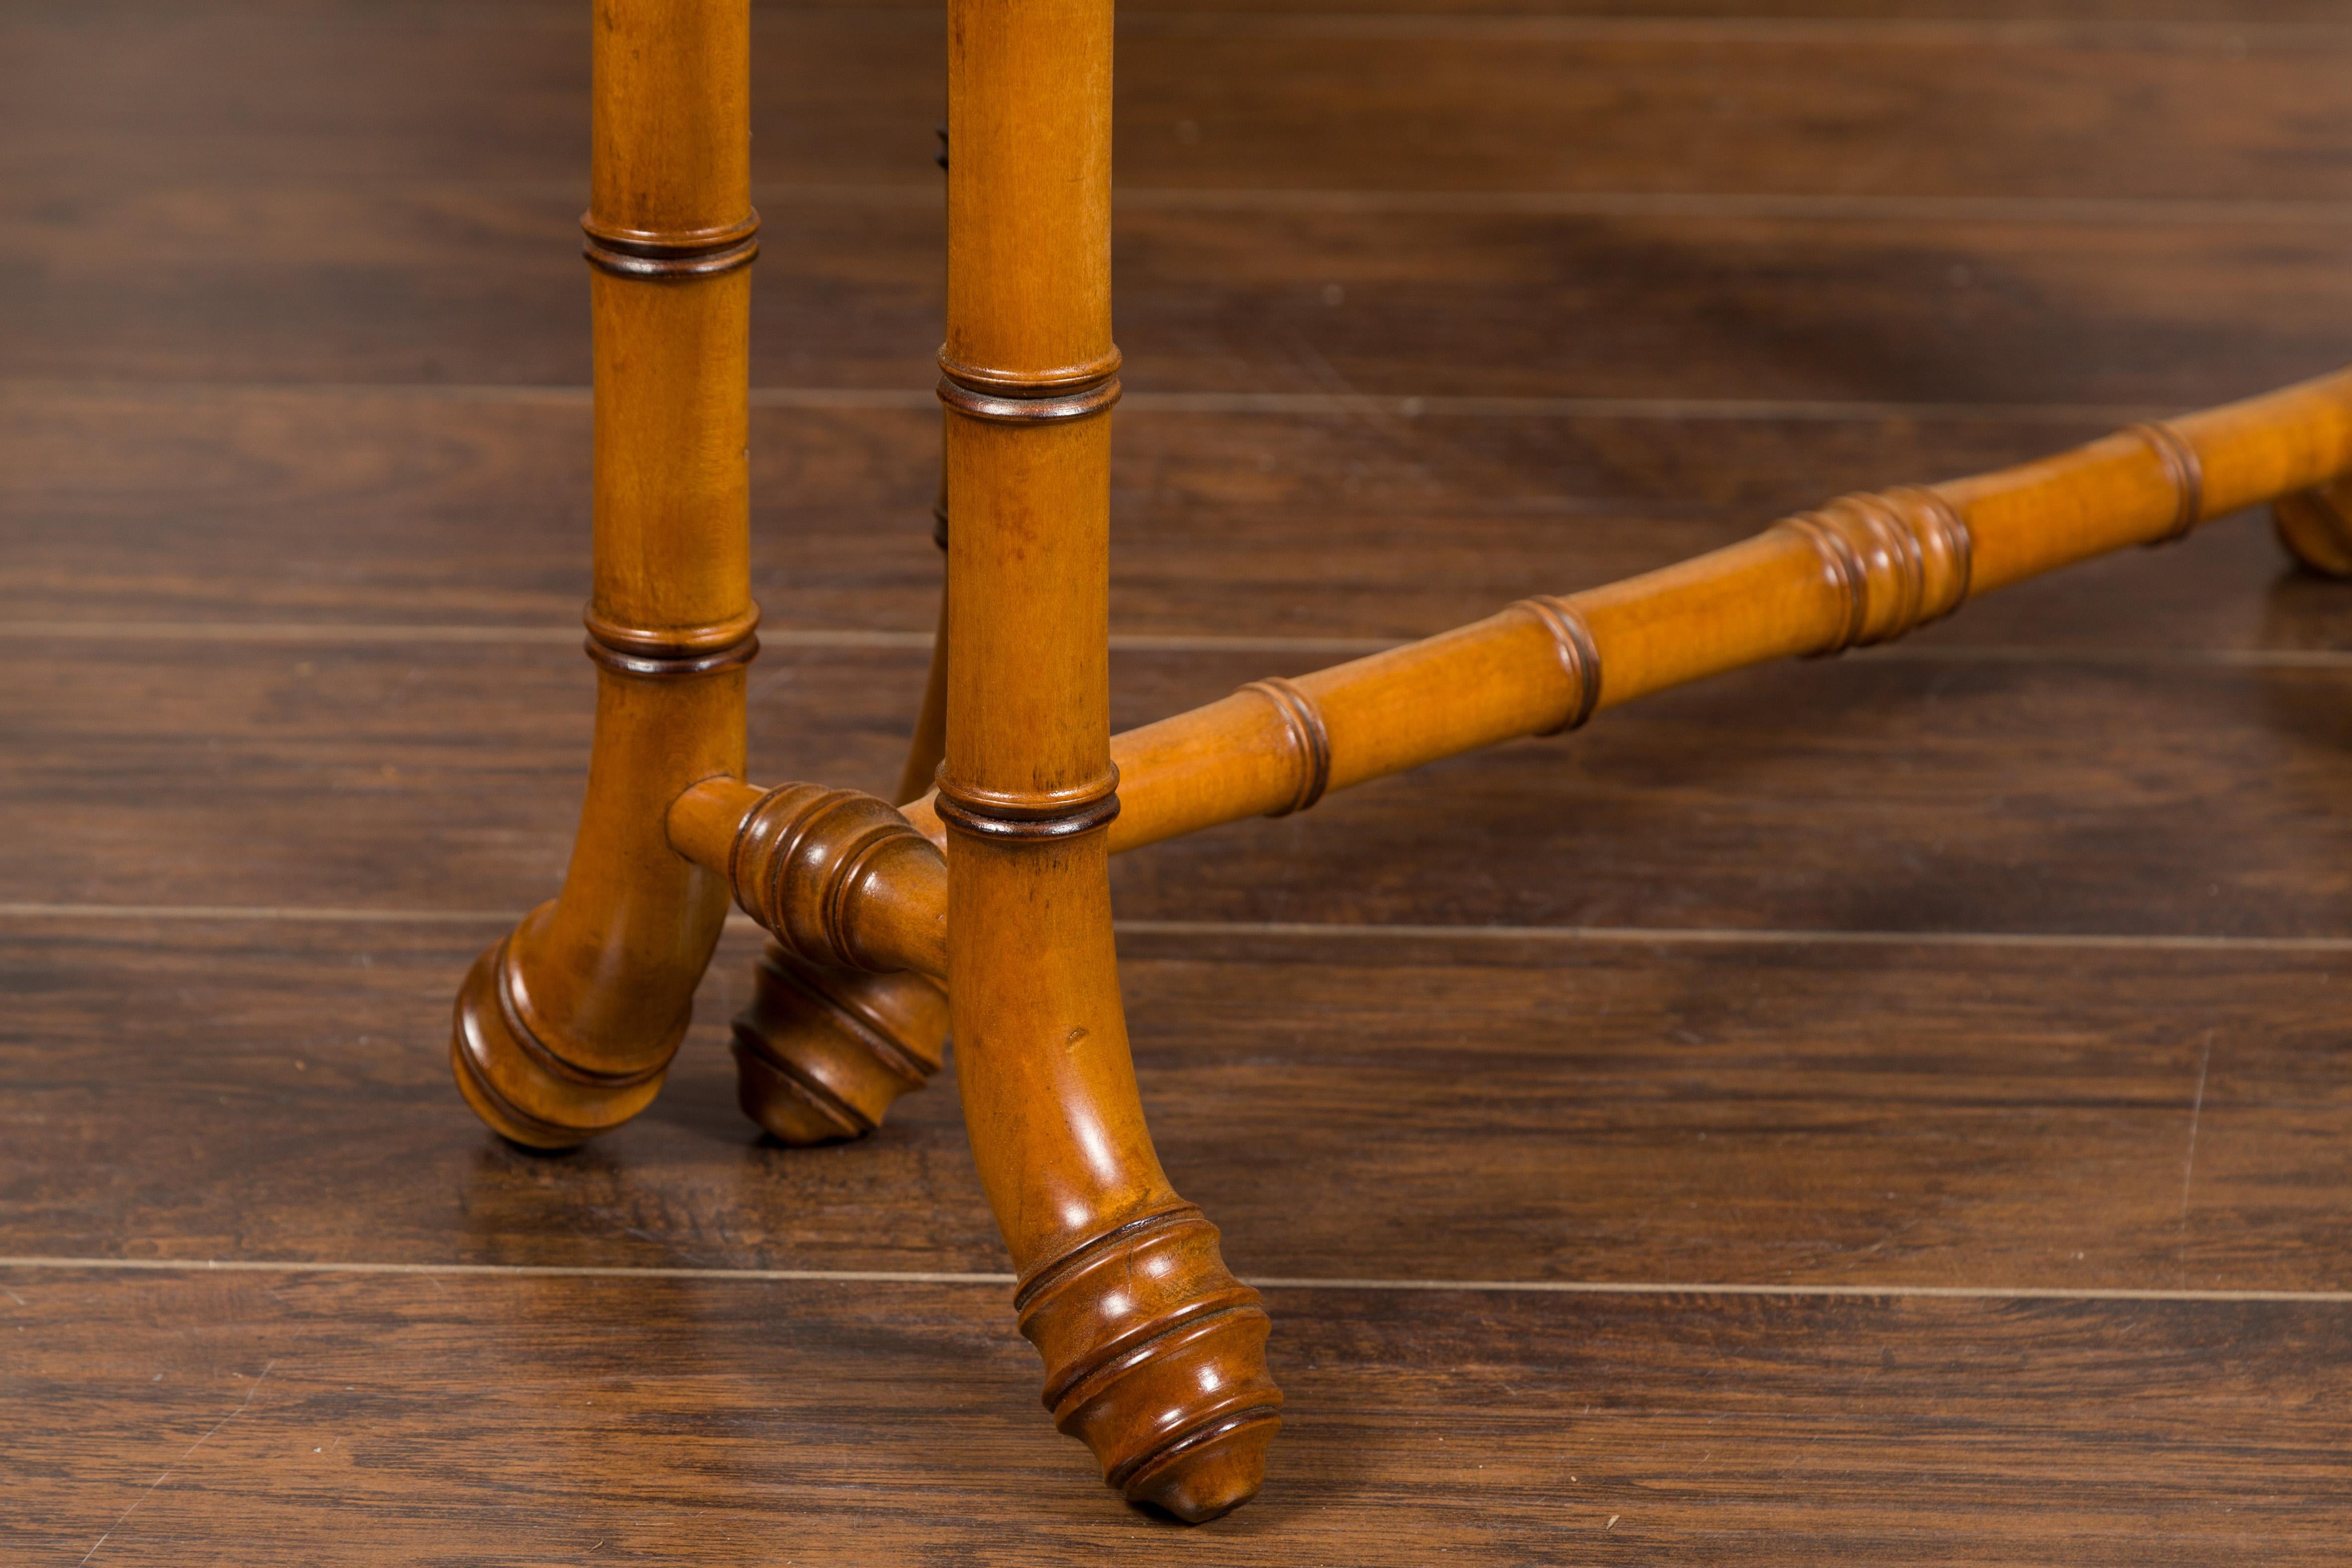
point(1860, 570)
point(1154, 1353)
point(822, 1050)
point(566, 1027)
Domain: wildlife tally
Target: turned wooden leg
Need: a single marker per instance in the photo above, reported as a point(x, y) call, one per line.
point(1154, 1353)
point(822, 1052)
point(2316, 527)
point(565, 1027)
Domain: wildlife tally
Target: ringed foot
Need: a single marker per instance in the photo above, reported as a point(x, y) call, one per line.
point(1155, 1358)
point(526, 1091)
point(821, 1053)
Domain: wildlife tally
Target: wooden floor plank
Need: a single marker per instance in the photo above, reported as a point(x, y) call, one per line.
point(1870, 794)
point(257, 1420)
point(1392, 1108)
point(309, 286)
point(1221, 99)
point(1527, 1045)
point(387, 508)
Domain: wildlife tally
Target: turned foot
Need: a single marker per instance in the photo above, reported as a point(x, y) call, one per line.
point(821, 1053)
point(516, 1081)
point(1155, 1357)
point(2316, 527)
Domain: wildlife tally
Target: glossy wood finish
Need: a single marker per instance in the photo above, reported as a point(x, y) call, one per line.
point(1861, 570)
point(1758, 1109)
point(2127, 748)
point(929, 746)
point(1714, 1426)
point(1946, 307)
point(840, 879)
point(565, 1027)
point(2126, 782)
point(2212, 100)
point(1154, 1353)
point(354, 509)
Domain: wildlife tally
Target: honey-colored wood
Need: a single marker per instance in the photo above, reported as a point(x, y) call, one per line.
point(737, 1415)
point(824, 1048)
point(1154, 1353)
point(1435, 1083)
point(1861, 570)
point(839, 877)
point(1859, 1113)
point(566, 1027)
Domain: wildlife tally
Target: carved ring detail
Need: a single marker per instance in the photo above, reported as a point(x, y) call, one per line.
point(1310, 740)
point(799, 858)
point(1579, 658)
point(1063, 382)
point(653, 668)
point(959, 815)
point(1897, 561)
point(704, 253)
point(1153, 1351)
point(668, 653)
point(998, 408)
point(2182, 468)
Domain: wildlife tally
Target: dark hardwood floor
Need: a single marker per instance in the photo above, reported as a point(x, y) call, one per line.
point(1895, 1109)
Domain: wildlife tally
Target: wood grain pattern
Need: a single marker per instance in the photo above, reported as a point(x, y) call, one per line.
point(1857, 571)
point(2069, 795)
point(563, 1026)
point(2042, 204)
point(1719, 1431)
point(359, 508)
point(1154, 1354)
point(1861, 570)
point(1731, 1111)
point(1961, 309)
point(847, 96)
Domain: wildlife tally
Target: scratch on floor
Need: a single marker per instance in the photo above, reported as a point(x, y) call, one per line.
point(183, 1460)
point(2189, 1165)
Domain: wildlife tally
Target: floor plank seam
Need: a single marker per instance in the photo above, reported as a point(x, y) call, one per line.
point(1803, 207)
point(1406, 406)
point(2228, 39)
point(2225, 39)
point(1642, 936)
point(852, 638)
point(41, 1262)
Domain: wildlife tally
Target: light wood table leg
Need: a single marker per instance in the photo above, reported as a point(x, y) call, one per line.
point(566, 1027)
point(1154, 1353)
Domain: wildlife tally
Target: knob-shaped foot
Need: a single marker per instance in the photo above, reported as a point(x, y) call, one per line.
point(821, 1053)
point(526, 1091)
point(1155, 1356)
